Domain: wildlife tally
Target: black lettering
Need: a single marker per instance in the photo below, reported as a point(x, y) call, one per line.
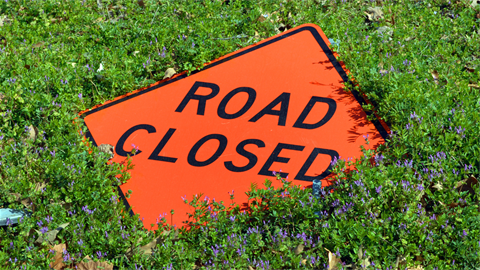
point(251, 98)
point(332, 107)
point(161, 144)
point(275, 158)
point(252, 159)
point(301, 174)
point(119, 146)
point(202, 100)
point(284, 98)
point(193, 152)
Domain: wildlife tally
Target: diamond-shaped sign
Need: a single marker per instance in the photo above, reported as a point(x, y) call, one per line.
point(276, 105)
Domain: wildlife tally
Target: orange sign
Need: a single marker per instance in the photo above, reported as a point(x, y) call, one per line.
point(275, 105)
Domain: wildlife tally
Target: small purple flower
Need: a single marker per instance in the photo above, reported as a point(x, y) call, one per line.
point(80, 95)
point(49, 219)
point(44, 230)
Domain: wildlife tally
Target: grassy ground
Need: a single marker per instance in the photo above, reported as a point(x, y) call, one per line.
point(412, 204)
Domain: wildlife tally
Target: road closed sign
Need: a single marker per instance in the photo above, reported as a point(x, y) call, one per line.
point(278, 105)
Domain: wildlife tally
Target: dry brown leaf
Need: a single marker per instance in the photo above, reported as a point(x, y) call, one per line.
point(467, 185)
point(250, 268)
point(401, 260)
point(146, 249)
point(17, 196)
point(299, 249)
point(438, 186)
point(333, 261)
point(365, 262)
point(418, 267)
point(99, 19)
point(39, 44)
point(88, 264)
point(106, 148)
point(58, 257)
point(50, 235)
point(374, 14)
point(169, 73)
point(32, 133)
point(469, 69)
point(476, 86)
point(4, 20)
point(261, 18)
point(419, 258)
point(39, 186)
point(141, 3)
point(435, 76)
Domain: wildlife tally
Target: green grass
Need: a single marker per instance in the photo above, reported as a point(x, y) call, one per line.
point(403, 206)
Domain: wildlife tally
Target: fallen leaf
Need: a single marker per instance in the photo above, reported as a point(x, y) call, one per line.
point(476, 86)
point(364, 262)
point(385, 30)
point(299, 249)
point(169, 73)
point(89, 264)
point(401, 260)
point(469, 69)
point(106, 148)
point(261, 18)
point(135, 53)
point(4, 20)
point(467, 185)
point(100, 68)
point(419, 259)
point(39, 186)
point(32, 133)
point(374, 14)
point(438, 186)
point(333, 261)
point(50, 235)
point(148, 248)
point(435, 76)
point(141, 3)
point(38, 45)
point(250, 268)
point(99, 19)
point(58, 257)
point(475, 3)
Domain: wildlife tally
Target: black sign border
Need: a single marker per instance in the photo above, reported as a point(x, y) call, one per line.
point(314, 33)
